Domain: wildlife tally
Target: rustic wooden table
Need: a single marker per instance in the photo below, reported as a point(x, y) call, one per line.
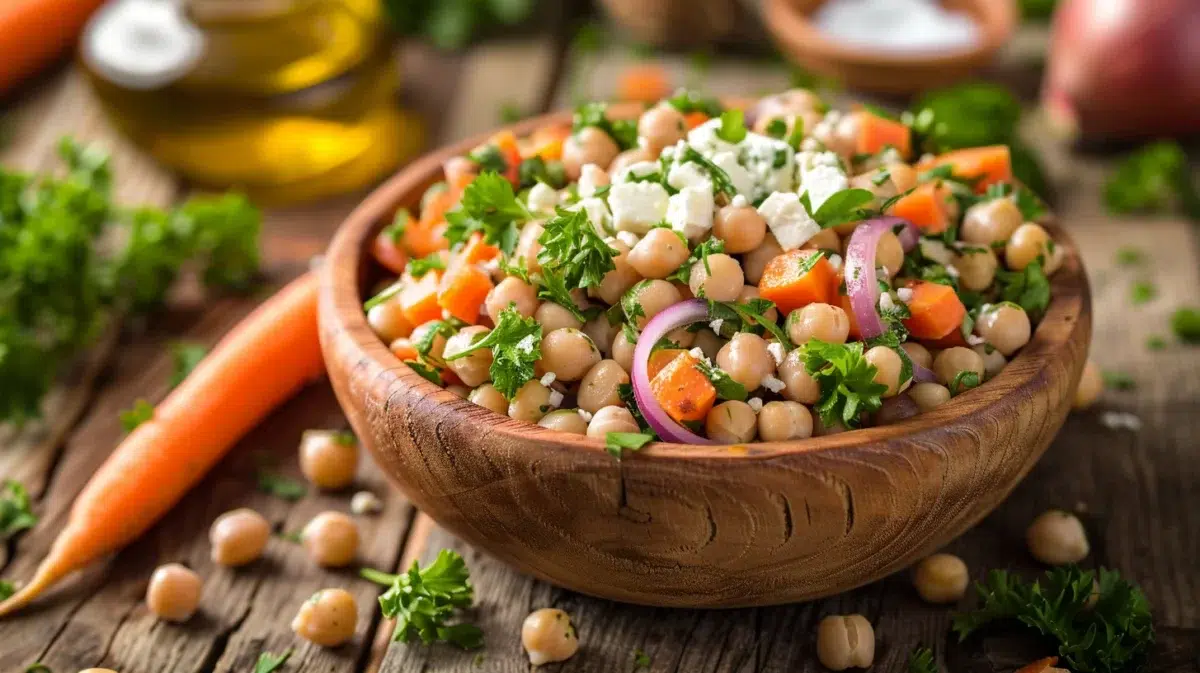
point(1138, 492)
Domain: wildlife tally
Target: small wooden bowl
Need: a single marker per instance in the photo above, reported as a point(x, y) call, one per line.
point(692, 526)
point(881, 71)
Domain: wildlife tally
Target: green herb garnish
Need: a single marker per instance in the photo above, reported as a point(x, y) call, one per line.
point(573, 249)
point(921, 661)
point(281, 486)
point(964, 381)
point(687, 101)
point(269, 663)
point(726, 387)
point(623, 131)
point(516, 344)
point(490, 206)
point(1128, 255)
point(139, 413)
point(618, 442)
point(1118, 380)
point(1185, 323)
point(16, 511)
point(7, 589)
point(1153, 180)
point(1142, 292)
point(733, 126)
point(185, 357)
point(423, 265)
point(1028, 288)
point(847, 379)
point(423, 600)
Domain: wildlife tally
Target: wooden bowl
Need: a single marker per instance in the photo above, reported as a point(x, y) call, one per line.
point(881, 71)
point(694, 526)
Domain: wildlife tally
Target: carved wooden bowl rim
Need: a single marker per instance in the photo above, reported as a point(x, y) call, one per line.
point(345, 273)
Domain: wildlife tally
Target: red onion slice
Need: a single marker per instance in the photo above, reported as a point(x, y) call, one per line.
point(922, 374)
point(861, 283)
point(678, 315)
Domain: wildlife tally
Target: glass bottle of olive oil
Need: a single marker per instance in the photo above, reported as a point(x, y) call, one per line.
point(286, 100)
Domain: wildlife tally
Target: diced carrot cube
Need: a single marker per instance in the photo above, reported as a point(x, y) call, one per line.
point(476, 251)
point(936, 310)
point(506, 142)
point(785, 282)
point(463, 290)
point(986, 165)
point(877, 133)
point(659, 360)
point(419, 300)
point(684, 392)
point(927, 207)
point(421, 239)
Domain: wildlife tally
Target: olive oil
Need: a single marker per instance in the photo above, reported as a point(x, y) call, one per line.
point(287, 100)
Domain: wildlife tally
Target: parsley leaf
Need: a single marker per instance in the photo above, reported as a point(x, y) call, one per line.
point(489, 158)
point(16, 512)
point(733, 126)
point(423, 600)
point(776, 128)
point(488, 206)
point(572, 248)
point(395, 230)
point(722, 184)
point(640, 659)
point(38, 667)
point(745, 315)
point(536, 169)
point(964, 381)
point(1151, 180)
point(1118, 380)
point(1028, 288)
point(687, 101)
point(281, 486)
point(1155, 342)
point(1115, 634)
point(1185, 323)
point(847, 380)
point(921, 661)
point(726, 387)
point(516, 343)
point(623, 131)
point(618, 442)
point(810, 261)
point(1142, 292)
point(269, 663)
point(1128, 255)
point(841, 207)
point(7, 589)
point(423, 265)
point(185, 357)
point(139, 413)
point(426, 371)
point(709, 246)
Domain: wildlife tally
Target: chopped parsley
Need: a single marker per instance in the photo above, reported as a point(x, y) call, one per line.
point(553, 288)
point(423, 265)
point(1128, 255)
point(489, 158)
point(1028, 288)
point(617, 443)
point(1156, 342)
point(722, 184)
point(964, 381)
point(395, 231)
point(1142, 292)
point(280, 486)
point(1118, 380)
point(707, 247)
point(733, 126)
point(269, 663)
point(427, 371)
point(622, 131)
point(139, 413)
point(847, 380)
point(442, 328)
point(16, 511)
point(747, 316)
point(687, 101)
point(573, 249)
point(384, 295)
point(184, 358)
point(726, 387)
point(516, 343)
point(1185, 323)
point(7, 589)
point(810, 261)
point(776, 128)
point(625, 392)
point(488, 206)
point(1153, 180)
point(848, 205)
point(536, 169)
point(423, 600)
point(640, 659)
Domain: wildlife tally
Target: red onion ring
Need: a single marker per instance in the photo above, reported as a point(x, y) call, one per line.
point(861, 284)
point(678, 315)
point(922, 374)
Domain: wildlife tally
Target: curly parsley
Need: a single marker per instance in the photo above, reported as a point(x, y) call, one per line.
point(573, 249)
point(490, 206)
point(516, 343)
point(847, 380)
point(423, 600)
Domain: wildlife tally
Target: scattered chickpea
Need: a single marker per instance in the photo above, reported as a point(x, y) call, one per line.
point(238, 537)
point(328, 618)
point(661, 125)
point(331, 539)
point(365, 502)
point(1091, 385)
point(746, 359)
point(388, 321)
point(601, 386)
point(548, 636)
point(531, 402)
point(941, 578)
point(818, 321)
point(488, 397)
point(845, 641)
point(328, 459)
point(565, 420)
point(1005, 326)
point(888, 367)
point(1057, 538)
point(611, 419)
point(173, 592)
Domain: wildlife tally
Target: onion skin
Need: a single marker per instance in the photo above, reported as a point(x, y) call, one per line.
point(1124, 69)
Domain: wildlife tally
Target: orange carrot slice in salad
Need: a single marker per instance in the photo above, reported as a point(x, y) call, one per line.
point(684, 392)
point(792, 280)
point(419, 299)
point(927, 206)
point(984, 165)
point(936, 310)
point(462, 291)
point(876, 133)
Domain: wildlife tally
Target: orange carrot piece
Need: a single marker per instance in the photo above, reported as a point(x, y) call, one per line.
point(659, 360)
point(269, 356)
point(36, 32)
point(435, 209)
point(988, 165)
point(784, 283)
point(419, 299)
point(927, 207)
point(1039, 666)
point(693, 119)
point(644, 82)
point(684, 392)
point(547, 141)
point(476, 251)
point(844, 303)
point(463, 290)
point(877, 133)
point(954, 338)
point(936, 310)
point(506, 142)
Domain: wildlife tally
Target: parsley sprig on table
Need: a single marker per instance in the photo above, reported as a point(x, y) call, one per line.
point(921, 661)
point(1113, 635)
point(269, 663)
point(490, 206)
point(59, 286)
point(423, 600)
point(847, 379)
point(16, 513)
point(516, 343)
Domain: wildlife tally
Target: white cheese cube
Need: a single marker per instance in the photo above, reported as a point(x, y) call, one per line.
point(542, 198)
point(776, 350)
point(821, 183)
point(788, 220)
point(742, 181)
point(770, 162)
point(688, 174)
point(591, 177)
point(597, 213)
point(773, 384)
point(704, 138)
point(755, 404)
point(638, 206)
point(690, 212)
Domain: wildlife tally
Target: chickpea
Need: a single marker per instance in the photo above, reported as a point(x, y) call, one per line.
point(611, 419)
point(929, 396)
point(630, 157)
point(565, 420)
point(1027, 243)
point(826, 239)
point(888, 364)
point(1005, 326)
point(661, 126)
point(799, 385)
point(1057, 538)
point(682, 337)
point(622, 277)
point(601, 332)
point(528, 246)
point(460, 390)
point(918, 354)
point(388, 322)
point(331, 539)
point(511, 291)
point(755, 261)
point(238, 537)
point(731, 422)
point(437, 347)
point(647, 299)
point(741, 227)
point(659, 253)
point(552, 316)
point(818, 321)
point(746, 359)
point(328, 618)
point(531, 402)
point(976, 268)
point(488, 397)
point(721, 280)
point(708, 342)
point(941, 578)
point(548, 636)
point(328, 459)
point(600, 387)
point(589, 146)
point(473, 368)
point(780, 421)
point(993, 360)
point(990, 222)
point(173, 593)
point(750, 292)
point(622, 351)
point(845, 641)
point(568, 354)
point(1091, 385)
point(950, 362)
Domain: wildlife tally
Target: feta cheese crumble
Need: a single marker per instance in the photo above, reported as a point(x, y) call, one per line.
point(690, 212)
point(788, 220)
point(755, 403)
point(905, 294)
point(638, 206)
point(773, 384)
point(590, 178)
point(688, 174)
point(776, 350)
point(1118, 420)
point(633, 172)
point(548, 378)
point(556, 399)
point(716, 325)
point(585, 415)
point(542, 198)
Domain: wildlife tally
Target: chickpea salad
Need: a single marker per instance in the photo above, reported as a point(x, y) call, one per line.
point(712, 275)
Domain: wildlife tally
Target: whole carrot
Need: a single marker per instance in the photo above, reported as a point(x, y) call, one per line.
point(257, 366)
point(35, 32)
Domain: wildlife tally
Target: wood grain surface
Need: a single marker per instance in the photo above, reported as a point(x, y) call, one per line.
point(1137, 491)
